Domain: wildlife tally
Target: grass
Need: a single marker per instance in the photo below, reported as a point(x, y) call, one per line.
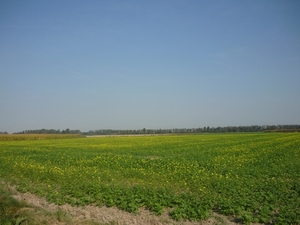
point(10, 209)
point(252, 177)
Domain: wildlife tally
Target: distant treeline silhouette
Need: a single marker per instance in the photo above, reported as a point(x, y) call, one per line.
point(206, 129)
point(49, 131)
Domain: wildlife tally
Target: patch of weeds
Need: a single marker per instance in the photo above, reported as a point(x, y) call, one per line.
point(10, 208)
point(62, 215)
point(219, 220)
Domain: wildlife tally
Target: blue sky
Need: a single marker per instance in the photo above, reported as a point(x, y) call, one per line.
point(156, 64)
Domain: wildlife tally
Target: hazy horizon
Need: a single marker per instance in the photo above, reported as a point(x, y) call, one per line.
point(148, 64)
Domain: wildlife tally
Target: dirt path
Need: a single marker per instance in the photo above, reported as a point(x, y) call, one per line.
point(105, 215)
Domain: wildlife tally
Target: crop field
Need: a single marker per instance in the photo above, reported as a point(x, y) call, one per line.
point(253, 177)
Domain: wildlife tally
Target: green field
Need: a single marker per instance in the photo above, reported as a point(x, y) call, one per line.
point(253, 177)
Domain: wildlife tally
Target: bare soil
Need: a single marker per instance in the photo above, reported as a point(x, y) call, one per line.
point(94, 215)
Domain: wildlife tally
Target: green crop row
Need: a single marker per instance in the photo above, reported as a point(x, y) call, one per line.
point(252, 177)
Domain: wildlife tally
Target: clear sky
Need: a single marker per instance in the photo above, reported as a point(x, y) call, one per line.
point(148, 64)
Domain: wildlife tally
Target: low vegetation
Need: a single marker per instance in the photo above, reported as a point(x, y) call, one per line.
point(10, 209)
point(18, 212)
point(18, 137)
point(251, 177)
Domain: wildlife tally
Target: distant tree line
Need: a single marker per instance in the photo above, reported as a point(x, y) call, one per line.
point(206, 129)
point(254, 128)
point(50, 131)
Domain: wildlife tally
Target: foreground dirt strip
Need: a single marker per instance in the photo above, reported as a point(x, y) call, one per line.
point(105, 215)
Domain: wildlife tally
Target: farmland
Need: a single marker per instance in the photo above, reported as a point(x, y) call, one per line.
point(252, 177)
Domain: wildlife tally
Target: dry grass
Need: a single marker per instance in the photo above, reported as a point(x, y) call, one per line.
point(21, 137)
